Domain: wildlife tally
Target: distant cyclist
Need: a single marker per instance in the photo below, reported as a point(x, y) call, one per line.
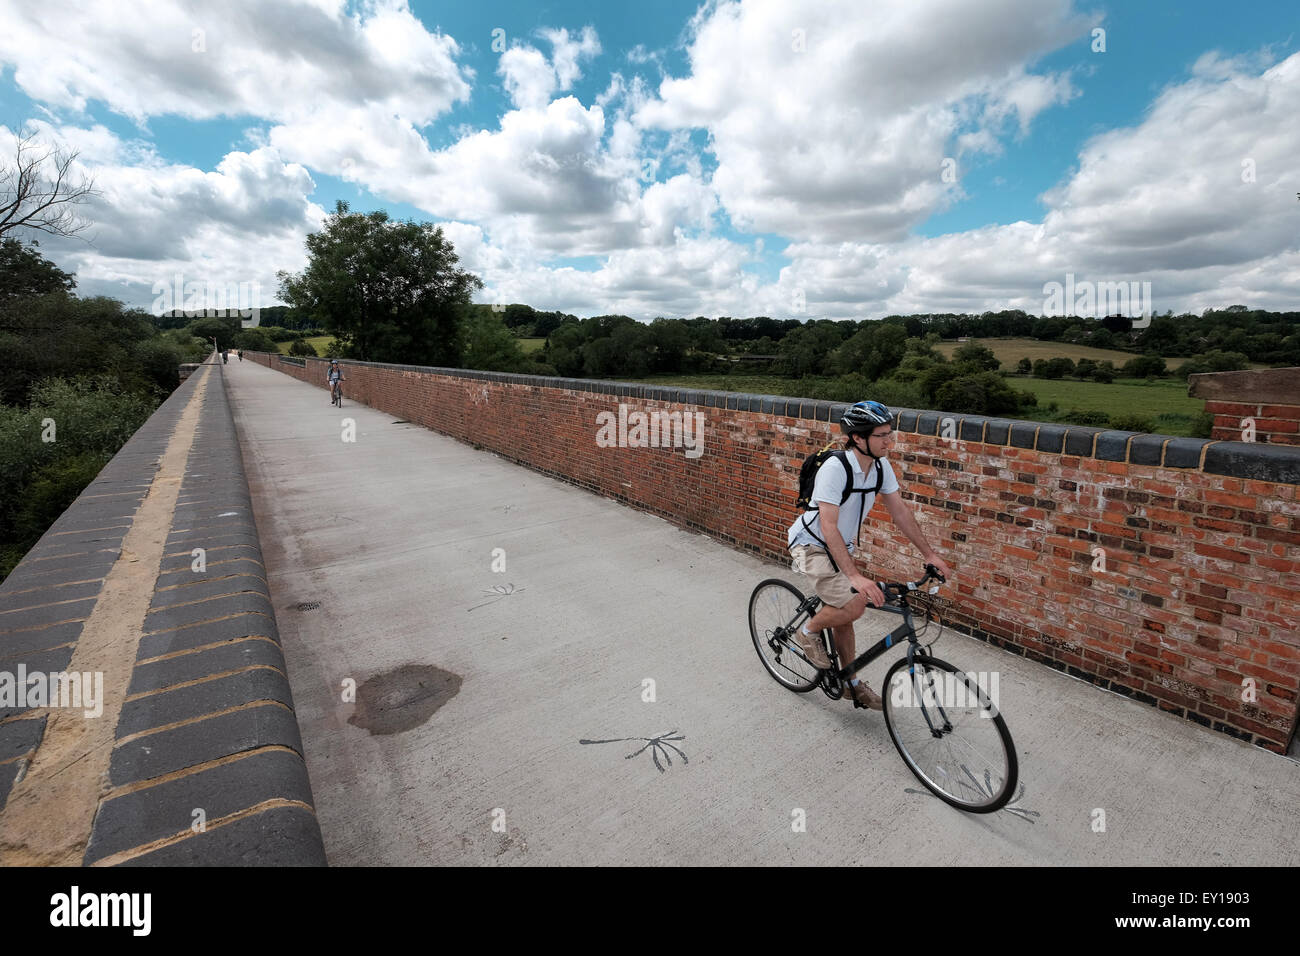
point(818, 538)
point(333, 376)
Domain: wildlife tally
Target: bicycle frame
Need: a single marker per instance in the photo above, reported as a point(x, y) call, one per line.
point(905, 632)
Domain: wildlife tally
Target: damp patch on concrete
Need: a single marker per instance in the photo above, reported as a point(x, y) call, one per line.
point(404, 698)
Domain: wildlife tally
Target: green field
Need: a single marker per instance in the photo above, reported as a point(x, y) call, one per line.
point(1165, 404)
point(318, 342)
point(1010, 351)
point(531, 345)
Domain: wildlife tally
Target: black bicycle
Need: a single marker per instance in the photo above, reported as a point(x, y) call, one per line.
point(946, 726)
point(336, 393)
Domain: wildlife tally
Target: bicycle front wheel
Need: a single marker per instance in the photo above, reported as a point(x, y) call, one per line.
point(950, 734)
point(773, 614)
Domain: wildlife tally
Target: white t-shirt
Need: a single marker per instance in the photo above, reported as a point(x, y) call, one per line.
point(829, 487)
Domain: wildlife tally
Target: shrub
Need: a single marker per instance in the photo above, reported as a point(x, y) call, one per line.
point(1076, 417)
point(159, 360)
point(305, 349)
point(1129, 422)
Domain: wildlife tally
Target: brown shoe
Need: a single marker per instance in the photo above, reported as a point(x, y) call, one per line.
point(864, 696)
point(811, 645)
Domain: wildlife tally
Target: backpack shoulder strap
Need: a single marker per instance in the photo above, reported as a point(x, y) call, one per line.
point(843, 456)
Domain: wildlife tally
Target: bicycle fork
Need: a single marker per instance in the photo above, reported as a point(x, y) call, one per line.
point(925, 711)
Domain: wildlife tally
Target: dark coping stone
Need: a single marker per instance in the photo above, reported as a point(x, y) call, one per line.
point(1113, 446)
point(168, 750)
point(52, 548)
point(218, 607)
point(8, 774)
point(731, 402)
point(19, 736)
point(281, 836)
point(167, 809)
point(768, 406)
point(211, 524)
point(189, 540)
point(206, 586)
point(1278, 463)
point(907, 421)
point(215, 660)
point(1022, 434)
point(171, 706)
point(1147, 449)
point(838, 411)
point(693, 397)
point(1051, 438)
point(210, 632)
point(1184, 452)
point(997, 431)
point(53, 614)
point(46, 661)
point(1079, 441)
point(25, 598)
point(928, 423)
point(18, 643)
point(92, 558)
point(824, 411)
point(184, 560)
point(808, 410)
point(972, 428)
point(25, 576)
point(214, 570)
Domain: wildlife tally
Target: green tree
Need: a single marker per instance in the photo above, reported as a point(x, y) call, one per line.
point(304, 349)
point(222, 329)
point(390, 291)
point(254, 340)
point(1024, 367)
point(25, 272)
point(489, 346)
point(1143, 366)
point(978, 356)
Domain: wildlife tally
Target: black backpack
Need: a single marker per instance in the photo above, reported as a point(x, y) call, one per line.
point(808, 478)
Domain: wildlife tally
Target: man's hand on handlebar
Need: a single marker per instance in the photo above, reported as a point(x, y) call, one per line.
point(940, 565)
point(875, 597)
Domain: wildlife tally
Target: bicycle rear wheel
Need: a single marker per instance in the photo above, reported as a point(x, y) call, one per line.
point(773, 613)
point(950, 734)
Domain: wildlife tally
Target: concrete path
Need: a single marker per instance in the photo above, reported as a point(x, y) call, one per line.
point(474, 687)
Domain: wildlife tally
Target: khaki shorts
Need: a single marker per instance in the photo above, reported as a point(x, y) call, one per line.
point(832, 586)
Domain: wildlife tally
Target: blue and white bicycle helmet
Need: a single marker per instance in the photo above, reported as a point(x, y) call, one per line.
point(864, 417)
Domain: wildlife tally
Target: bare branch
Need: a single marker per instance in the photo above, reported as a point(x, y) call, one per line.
point(41, 190)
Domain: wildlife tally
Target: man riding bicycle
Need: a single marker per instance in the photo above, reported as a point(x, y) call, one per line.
point(817, 539)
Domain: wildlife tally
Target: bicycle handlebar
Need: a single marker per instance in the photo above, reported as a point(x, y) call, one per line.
point(895, 591)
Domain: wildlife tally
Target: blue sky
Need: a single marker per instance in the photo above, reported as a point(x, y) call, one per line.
point(739, 158)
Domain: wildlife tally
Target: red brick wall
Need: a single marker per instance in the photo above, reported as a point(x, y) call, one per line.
point(1201, 587)
point(1277, 424)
